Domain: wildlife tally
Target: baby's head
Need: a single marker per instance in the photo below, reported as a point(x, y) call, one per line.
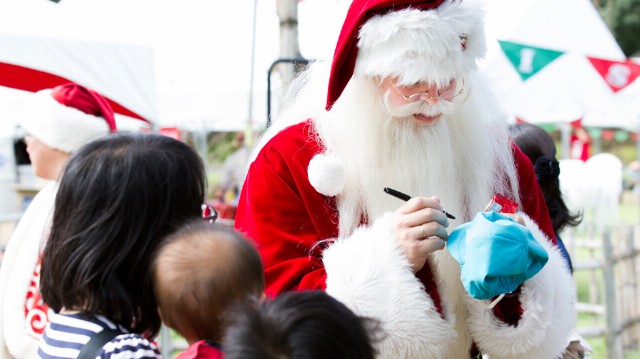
point(200, 271)
point(295, 325)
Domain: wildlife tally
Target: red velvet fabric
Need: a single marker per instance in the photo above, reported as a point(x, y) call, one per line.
point(288, 219)
point(85, 100)
point(531, 196)
point(201, 350)
point(285, 215)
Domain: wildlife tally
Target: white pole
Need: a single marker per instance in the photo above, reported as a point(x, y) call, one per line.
point(565, 134)
point(638, 137)
point(289, 46)
point(253, 59)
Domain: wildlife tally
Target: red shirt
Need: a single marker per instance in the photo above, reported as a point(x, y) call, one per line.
point(201, 349)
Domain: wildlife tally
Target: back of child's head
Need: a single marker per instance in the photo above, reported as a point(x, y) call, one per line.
point(202, 270)
point(540, 148)
point(533, 140)
point(118, 196)
point(296, 325)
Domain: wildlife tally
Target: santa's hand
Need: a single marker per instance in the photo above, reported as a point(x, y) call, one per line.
point(420, 227)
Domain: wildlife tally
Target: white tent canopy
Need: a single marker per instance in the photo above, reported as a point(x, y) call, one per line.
point(122, 73)
point(567, 25)
point(568, 88)
point(201, 50)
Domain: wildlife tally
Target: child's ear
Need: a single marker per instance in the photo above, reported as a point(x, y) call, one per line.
point(263, 297)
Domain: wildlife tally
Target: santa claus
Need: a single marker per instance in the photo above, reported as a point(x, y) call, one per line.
point(57, 122)
point(406, 108)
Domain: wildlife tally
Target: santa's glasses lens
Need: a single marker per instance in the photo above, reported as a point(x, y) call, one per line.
point(411, 93)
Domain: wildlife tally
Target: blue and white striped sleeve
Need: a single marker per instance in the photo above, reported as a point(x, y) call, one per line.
point(129, 346)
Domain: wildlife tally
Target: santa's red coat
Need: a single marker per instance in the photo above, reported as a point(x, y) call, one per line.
point(286, 216)
point(288, 219)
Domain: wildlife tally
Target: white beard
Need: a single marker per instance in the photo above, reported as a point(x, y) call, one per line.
point(464, 158)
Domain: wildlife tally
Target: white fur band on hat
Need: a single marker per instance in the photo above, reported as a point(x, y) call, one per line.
point(59, 126)
point(430, 46)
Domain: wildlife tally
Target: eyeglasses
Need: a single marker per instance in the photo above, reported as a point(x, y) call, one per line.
point(448, 94)
point(209, 213)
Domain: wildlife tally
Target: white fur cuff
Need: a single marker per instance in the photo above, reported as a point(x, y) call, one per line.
point(548, 303)
point(369, 273)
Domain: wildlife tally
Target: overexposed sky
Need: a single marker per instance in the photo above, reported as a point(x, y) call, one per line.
point(202, 48)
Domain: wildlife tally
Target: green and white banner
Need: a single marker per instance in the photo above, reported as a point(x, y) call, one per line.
point(528, 60)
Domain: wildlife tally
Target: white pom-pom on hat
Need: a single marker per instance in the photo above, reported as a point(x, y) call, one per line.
point(326, 174)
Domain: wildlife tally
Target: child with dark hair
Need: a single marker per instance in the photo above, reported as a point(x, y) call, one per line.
point(538, 145)
point(199, 272)
point(296, 325)
point(118, 196)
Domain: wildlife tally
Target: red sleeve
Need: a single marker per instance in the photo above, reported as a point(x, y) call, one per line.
point(531, 195)
point(509, 308)
point(285, 215)
point(201, 349)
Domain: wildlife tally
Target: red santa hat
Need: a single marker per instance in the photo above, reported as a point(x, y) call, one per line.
point(67, 116)
point(412, 40)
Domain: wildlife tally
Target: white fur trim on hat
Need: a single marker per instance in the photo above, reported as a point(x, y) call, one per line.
point(422, 45)
point(59, 126)
point(326, 174)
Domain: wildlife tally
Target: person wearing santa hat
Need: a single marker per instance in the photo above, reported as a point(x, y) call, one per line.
point(406, 108)
point(57, 122)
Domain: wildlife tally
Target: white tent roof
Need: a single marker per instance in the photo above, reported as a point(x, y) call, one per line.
point(567, 25)
point(568, 88)
point(201, 50)
point(122, 73)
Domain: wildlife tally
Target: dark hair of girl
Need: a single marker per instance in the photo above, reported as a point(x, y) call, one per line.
point(118, 196)
point(300, 325)
point(538, 145)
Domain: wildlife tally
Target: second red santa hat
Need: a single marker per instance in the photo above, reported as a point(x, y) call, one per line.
point(67, 116)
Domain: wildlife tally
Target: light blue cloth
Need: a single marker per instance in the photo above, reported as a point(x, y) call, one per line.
point(496, 254)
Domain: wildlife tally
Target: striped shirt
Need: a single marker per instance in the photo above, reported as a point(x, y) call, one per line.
point(66, 334)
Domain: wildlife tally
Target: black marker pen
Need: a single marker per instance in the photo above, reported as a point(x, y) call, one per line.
point(406, 197)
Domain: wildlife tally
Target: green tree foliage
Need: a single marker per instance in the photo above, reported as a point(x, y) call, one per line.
point(220, 146)
point(623, 18)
